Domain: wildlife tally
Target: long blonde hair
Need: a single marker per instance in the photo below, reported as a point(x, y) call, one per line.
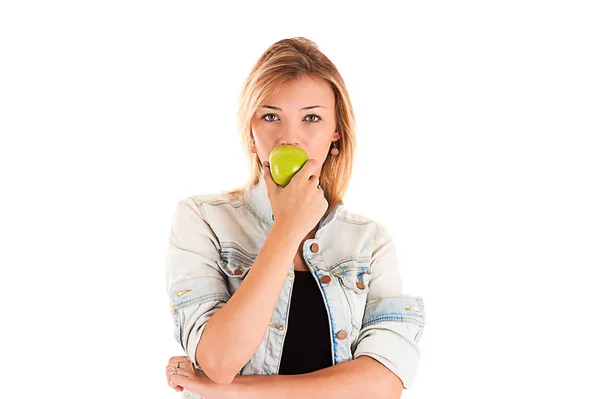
point(285, 61)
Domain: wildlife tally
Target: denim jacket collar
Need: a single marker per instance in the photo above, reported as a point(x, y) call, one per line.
point(257, 199)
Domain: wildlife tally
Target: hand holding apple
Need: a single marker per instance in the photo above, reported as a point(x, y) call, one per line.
point(300, 205)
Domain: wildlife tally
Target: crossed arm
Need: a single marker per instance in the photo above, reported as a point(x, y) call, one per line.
point(358, 378)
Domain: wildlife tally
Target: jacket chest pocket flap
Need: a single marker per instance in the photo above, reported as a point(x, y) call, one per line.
point(235, 262)
point(354, 276)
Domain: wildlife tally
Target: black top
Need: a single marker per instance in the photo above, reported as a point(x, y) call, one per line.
point(307, 345)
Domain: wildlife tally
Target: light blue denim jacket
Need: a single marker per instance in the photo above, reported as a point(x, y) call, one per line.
point(212, 245)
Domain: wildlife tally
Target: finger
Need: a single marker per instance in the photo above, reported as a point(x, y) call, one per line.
point(180, 361)
point(177, 388)
point(177, 362)
point(180, 371)
point(186, 365)
point(171, 366)
point(310, 168)
point(316, 178)
point(178, 381)
point(173, 360)
point(180, 365)
point(184, 382)
point(169, 373)
point(171, 384)
point(315, 175)
point(271, 185)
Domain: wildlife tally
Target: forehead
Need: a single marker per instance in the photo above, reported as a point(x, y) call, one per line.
point(300, 93)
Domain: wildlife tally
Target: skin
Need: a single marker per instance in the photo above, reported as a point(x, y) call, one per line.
point(313, 130)
point(354, 379)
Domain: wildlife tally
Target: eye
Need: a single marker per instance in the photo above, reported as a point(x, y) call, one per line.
point(267, 115)
point(312, 118)
point(318, 118)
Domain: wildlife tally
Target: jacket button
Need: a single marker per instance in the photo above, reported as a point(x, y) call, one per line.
point(342, 334)
point(325, 279)
point(360, 285)
point(238, 272)
point(314, 247)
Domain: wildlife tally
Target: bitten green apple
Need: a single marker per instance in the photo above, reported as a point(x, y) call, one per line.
point(285, 161)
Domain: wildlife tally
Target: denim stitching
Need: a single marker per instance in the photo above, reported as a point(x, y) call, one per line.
point(397, 317)
point(203, 298)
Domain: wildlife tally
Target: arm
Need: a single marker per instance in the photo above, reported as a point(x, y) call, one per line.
point(249, 310)
point(393, 322)
point(358, 378)
point(207, 318)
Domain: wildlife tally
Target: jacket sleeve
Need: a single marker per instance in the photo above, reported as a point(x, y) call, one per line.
point(393, 321)
point(196, 286)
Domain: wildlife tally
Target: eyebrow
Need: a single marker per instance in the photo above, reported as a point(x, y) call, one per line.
point(301, 109)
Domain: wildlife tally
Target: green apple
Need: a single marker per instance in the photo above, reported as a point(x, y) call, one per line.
point(285, 161)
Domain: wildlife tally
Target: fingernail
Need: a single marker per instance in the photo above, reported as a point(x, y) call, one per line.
point(266, 163)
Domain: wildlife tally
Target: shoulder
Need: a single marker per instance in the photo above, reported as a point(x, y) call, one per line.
point(374, 228)
point(214, 198)
point(200, 201)
point(350, 217)
point(213, 206)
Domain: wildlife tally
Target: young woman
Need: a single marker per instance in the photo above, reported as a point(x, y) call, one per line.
point(281, 291)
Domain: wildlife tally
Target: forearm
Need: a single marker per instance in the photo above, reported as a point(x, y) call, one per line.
point(250, 310)
point(360, 378)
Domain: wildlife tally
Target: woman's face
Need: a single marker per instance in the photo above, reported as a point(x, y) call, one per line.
point(283, 119)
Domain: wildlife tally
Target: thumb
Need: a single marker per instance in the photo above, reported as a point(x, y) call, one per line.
point(179, 381)
point(267, 176)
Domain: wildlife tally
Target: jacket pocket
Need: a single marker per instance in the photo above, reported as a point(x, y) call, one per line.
point(357, 283)
point(235, 262)
point(354, 276)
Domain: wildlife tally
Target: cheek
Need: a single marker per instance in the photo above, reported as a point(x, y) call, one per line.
point(318, 150)
point(262, 149)
point(264, 133)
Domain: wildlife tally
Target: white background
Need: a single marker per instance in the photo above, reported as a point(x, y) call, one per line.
point(478, 127)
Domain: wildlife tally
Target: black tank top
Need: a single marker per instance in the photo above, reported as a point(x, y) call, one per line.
point(307, 345)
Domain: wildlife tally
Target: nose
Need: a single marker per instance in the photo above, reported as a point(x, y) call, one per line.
point(289, 139)
point(289, 136)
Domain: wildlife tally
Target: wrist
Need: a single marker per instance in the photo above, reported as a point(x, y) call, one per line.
point(285, 232)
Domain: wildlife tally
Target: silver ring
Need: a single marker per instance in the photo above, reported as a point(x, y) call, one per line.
point(173, 371)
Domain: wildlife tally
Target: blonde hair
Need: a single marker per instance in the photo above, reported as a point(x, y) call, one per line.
point(283, 62)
